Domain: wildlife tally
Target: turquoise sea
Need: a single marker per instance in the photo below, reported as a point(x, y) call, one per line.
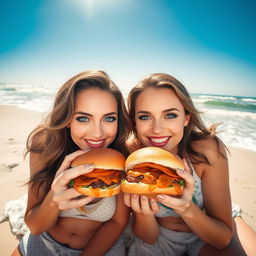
point(235, 115)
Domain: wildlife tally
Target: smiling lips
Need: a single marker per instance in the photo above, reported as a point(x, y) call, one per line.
point(95, 143)
point(159, 141)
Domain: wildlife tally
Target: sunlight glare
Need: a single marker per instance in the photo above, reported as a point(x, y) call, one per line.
point(91, 8)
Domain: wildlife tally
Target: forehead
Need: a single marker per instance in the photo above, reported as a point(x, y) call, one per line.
point(160, 98)
point(95, 100)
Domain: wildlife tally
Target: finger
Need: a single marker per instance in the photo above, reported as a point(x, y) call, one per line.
point(189, 181)
point(154, 206)
point(170, 201)
point(186, 165)
point(65, 205)
point(65, 177)
point(67, 194)
point(85, 200)
point(127, 199)
point(135, 203)
point(145, 205)
point(68, 160)
point(166, 200)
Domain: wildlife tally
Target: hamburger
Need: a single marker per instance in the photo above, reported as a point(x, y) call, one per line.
point(151, 171)
point(104, 180)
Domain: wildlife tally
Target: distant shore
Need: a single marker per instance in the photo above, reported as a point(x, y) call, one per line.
point(16, 124)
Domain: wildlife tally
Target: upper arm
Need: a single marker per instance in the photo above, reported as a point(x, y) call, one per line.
point(215, 182)
point(34, 198)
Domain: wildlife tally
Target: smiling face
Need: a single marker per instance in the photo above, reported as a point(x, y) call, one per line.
point(160, 118)
point(94, 123)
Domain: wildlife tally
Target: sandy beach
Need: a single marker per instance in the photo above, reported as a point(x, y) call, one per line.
point(16, 124)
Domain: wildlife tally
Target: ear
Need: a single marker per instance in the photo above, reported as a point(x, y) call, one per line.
point(186, 121)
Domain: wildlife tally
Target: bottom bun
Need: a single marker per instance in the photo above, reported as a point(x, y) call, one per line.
point(98, 192)
point(148, 190)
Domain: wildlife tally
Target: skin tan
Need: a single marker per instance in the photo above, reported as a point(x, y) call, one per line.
point(161, 124)
point(94, 124)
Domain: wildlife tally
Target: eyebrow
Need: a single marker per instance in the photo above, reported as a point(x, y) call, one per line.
point(88, 114)
point(164, 111)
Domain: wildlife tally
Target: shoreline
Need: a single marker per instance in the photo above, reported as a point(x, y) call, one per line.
point(16, 125)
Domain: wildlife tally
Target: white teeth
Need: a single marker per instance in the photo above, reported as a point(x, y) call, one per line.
point(95, 142)
point(159, 140)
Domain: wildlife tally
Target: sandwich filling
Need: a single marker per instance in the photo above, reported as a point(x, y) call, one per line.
point(98, 178)
point(157, 176)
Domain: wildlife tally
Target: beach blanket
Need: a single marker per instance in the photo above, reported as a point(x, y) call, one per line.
point(14, 211)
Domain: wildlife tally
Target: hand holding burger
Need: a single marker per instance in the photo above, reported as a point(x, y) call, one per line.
point(104, 180)
point(151, 171)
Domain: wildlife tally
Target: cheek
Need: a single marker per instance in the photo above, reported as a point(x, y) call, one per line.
point(179, 131)
point(142, 129)
point(76, 129)
point(178, 128)
point(111, 130)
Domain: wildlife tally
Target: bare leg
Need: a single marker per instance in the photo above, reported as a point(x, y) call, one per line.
point(245, 235)
point(234, 249)
point(242, 243)
point(16, 252)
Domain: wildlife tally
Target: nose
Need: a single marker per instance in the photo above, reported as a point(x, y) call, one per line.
point(157, 126)
point(97, 130)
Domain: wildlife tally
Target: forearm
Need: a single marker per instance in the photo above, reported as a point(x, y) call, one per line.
point(44, 216)
point(210, 230)
point(104, 239)
point(146, 228)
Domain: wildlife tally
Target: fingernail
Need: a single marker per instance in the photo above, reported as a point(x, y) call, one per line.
point(160, 197)
point(180, 170)
point(90, 166)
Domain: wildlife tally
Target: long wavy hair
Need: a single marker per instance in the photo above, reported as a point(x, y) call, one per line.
point(52, 139)
point(194, 131)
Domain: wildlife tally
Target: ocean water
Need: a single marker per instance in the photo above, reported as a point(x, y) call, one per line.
point(235, 115)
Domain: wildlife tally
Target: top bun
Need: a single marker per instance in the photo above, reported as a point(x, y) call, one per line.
point(102, 158)
point(153, 155)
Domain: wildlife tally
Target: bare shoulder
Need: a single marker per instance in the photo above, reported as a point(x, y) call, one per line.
point(215, 179)
point(213, 148)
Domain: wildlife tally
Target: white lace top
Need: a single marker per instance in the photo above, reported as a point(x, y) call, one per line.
point(101, 211)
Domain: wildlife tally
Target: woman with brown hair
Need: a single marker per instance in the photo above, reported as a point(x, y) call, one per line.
point(88, 112)
point(199, 222)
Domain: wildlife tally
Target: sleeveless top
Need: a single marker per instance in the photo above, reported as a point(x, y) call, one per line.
point(101, 211)
point(197, 198)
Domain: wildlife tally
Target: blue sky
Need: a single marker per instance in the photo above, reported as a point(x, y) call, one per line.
point(208, 45)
